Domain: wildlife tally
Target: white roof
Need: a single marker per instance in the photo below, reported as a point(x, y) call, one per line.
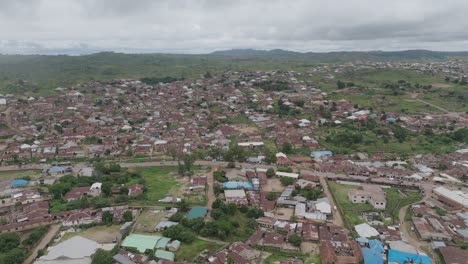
point(96, 185)
point(281, 154)
point(287, 174)
point(74, 248)
point(323, 207)
point(456, 196)
point(365, 230)
point(234, 193)
point(247, 144)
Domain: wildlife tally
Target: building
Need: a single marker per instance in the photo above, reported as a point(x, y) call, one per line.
point(74, 250)
point(197, 212)
point(452, 200)
point(236, 196)
point(373, 194)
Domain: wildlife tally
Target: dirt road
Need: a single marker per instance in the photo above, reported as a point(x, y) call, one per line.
point(337, 219)
point(210, 181)
point(45, 240)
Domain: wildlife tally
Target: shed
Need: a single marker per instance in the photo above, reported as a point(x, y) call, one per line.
point(18, 183)
point(163, 254)
point(197, 211)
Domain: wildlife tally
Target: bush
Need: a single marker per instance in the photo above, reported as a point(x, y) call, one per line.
point(180, 233)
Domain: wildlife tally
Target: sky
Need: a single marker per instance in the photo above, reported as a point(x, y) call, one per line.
point(203, 26)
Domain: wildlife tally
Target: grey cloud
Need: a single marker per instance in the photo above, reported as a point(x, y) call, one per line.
point(193, 26)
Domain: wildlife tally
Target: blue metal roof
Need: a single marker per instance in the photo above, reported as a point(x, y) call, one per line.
point(402, 257)
point(373, 253)
point(18, 183)
point(237, 185)
point(321, 153)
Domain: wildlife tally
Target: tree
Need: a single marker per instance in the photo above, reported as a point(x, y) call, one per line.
point(101, 256)
point(270, 173)
point(287, 148)
point(128, 216)
point(231, 208)
point(9, 241)
point(271, 196)
point(286, 181)
point(107, 217)
point(340, 84)
point(106, 188)
point(14, 256)
point(183, 205)
point(295, 240)
point(180, 233)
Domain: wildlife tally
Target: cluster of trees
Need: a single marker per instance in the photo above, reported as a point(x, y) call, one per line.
point(284, 109)
point(345, 139)
point(10, 253)
point(272, 85)
point(35, 236)
point(157, 80)
point(186, 166)
point(308, 192)
point(340, 84)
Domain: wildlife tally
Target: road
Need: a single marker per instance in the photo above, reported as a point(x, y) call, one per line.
point(44, 242)
point(210, 182)
point(454, 114)
point(337, 219)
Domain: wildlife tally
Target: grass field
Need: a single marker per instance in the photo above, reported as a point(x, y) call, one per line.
point(101, 234)
point(189, 251)
point(276, 257)
point(350, 211)
point(18, 174)
point(395, 201)
point(159, 183)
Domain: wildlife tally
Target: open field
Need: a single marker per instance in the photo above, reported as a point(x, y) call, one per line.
point(101, 234)
point(273, 185)
point(159, 183)
point(188, 251)
point(395, 201)
point(147, 220)
point(350, 211)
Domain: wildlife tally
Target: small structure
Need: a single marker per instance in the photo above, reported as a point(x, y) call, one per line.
point(163, 254)
point(196, 212)
point(395, 256)
point(18, 183)
point(365, 230)
point(321, 154)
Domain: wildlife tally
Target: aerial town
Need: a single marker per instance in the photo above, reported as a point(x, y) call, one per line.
point(238, 167)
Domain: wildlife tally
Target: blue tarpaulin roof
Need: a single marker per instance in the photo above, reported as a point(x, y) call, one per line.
point(18, 183)
point(373, 253)
point(321, 153)
point(237, 185)
point(402, 257)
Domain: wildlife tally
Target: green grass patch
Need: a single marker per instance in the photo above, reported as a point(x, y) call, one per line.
point(396, 201)
point(188, 251)
point(159, 183)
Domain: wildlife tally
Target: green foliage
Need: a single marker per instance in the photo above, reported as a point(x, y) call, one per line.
point(287, 148)
point(220, 175)
point(295, 240)
point(271, 196)
point(286, 181)
point(127, 216)
point(183, 205)
point(8, 241)
point(180, 233)
point(270, 173)
point(13, 256)
point(272, 85)
point(157, 80)
point(35, 235)
point(101, 257)
point(107, 217)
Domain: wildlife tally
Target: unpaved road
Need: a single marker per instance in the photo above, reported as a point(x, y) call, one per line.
point(44, 242)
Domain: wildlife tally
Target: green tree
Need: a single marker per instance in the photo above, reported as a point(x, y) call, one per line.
point(107, 217)
point(270, 172)
point(127, 216)
point(14, 256)
point(9, 241)
point(101, 257)
point(295, 240)
point(287, 148)
point(286, 181)
point(106, 188)
point(271, 196)
point(183, 205)
point(340, 84)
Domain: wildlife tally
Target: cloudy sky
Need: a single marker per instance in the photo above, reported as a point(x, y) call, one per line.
point(200, 26)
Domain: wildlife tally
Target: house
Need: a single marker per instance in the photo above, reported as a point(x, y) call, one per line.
point(321, 154)
point(237, 197)
point(135, 189)
point(452, 200)
point(197, 212)
point(368, 193)
point(74, 250)
point(198, 183)
point(77, 193)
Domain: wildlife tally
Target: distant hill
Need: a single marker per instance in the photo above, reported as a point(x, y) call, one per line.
point(50, 71)
point(344, 55)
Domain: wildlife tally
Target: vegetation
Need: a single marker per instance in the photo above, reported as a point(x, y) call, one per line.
point(101, 257)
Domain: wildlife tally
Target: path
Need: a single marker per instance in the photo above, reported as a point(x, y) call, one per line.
point(210, 181)
point(337, 219)
point(454, 114)
point(44, 242)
